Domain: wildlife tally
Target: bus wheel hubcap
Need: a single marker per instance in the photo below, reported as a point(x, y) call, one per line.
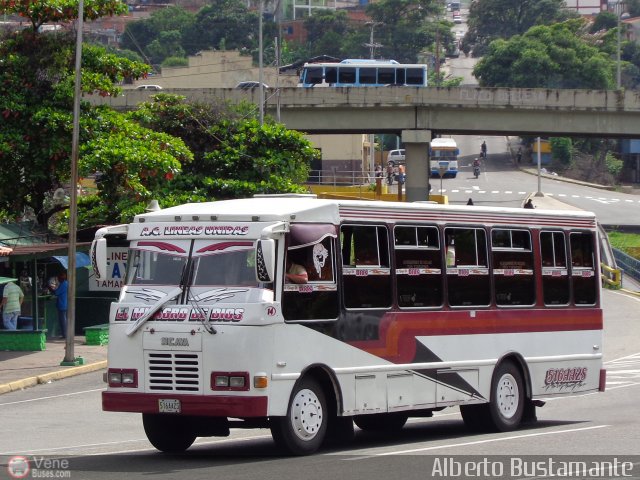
point(306, 414)
point(507, 396)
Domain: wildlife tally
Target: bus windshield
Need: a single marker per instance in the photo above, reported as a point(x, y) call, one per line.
point(224, 268)
point(153, 268)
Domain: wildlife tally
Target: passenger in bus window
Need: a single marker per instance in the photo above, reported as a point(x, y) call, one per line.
point(451, 253)
point(295, 273)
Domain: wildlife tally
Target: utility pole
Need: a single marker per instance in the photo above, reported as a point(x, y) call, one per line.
point(261, 63)
point(69, 356)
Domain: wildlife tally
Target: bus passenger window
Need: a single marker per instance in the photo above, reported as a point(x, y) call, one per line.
point(314, 75)
point(386, 76)
point(468, 273)
point(347, 75)
point(513, 273)
point(330, 74)
point(415, 76)
point(583, 275)
point(317, 298)
point(555, 277)
point(366, 276)
point(367, 76)
point(418, 262)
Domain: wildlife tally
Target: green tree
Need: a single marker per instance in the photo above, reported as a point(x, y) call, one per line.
point(553, 56)
point(404, 29)
point(149, 37)
point(133, 163)
point(59, 11)
point(325, 32)
point(166, 44)
point(493, 19)
point(36, 99)
point(226, 23)
point(562, 150)
point(604, 21)
point(233, 156)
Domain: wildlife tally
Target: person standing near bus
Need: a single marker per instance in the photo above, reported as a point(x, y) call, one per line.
point(61, 302)
point(12, 298)
point(390, 173)
point(401, 174)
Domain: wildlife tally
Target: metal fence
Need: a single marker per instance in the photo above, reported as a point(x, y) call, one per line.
point(340, 177)
point(629, 265)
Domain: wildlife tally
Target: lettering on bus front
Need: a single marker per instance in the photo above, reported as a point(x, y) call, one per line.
point(181, 314)
point(195, 230)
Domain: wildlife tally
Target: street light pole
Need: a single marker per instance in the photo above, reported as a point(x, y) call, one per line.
point(372, 55)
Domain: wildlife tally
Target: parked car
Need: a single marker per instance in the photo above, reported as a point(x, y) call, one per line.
point(250, 85)
point(396, 157)
point(148, 87)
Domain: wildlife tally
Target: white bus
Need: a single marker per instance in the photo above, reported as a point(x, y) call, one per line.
point(443, 153)
point(363, 73)
point(406, 309)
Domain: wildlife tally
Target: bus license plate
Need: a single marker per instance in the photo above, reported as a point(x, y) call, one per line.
point(168, 405)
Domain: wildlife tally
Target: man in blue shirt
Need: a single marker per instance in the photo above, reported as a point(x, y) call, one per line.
point(61, 302)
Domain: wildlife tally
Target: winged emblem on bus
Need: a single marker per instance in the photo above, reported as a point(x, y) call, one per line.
point(148, 294)
point(217, 294)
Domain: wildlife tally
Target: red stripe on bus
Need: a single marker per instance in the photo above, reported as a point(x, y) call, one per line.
point(399, 329)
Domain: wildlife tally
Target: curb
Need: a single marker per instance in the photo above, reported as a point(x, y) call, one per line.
point(48, 377)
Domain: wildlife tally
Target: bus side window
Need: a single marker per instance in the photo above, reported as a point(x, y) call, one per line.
point(418, 263)
point(583, 275)
point(467, 273)
point(317, 299)
point(555, 277)
point(366, 276)
point(513, 273)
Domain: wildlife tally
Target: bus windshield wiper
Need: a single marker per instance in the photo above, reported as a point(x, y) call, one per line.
point(171, 294)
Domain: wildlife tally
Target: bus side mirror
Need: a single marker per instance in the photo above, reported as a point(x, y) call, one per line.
point(98, 256)
point(265, 260)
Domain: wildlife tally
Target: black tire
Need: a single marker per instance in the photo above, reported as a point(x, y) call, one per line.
point(476, 417)
point(381, 422)
point(507, 397)
point(339, 431)
point(302, 430)
point(167, 433)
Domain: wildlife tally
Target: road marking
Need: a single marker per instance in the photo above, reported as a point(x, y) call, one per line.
point(478, 442)
point(53, 396)
point(623, 372)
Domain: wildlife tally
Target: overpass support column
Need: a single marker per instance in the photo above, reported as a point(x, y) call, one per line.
point(416, 144)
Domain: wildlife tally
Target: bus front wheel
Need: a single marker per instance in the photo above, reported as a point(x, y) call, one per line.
point(507, 397)
point(169, 434)
point(302, 430)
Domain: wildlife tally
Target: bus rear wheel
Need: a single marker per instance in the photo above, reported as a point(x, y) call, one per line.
point(302, 430)
point(507, 397)
point(167, 433)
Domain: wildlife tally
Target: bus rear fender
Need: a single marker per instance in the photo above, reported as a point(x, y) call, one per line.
point(519, 361)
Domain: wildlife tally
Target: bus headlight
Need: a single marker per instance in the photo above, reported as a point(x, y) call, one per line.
point(238, 381)
point(122, 377)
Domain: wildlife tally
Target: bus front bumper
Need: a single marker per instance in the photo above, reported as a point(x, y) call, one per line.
point(209, 405)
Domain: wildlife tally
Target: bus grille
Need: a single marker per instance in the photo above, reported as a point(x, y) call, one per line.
point(173, 371)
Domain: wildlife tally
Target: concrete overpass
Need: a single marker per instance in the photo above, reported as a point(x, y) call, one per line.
point(417, 114)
